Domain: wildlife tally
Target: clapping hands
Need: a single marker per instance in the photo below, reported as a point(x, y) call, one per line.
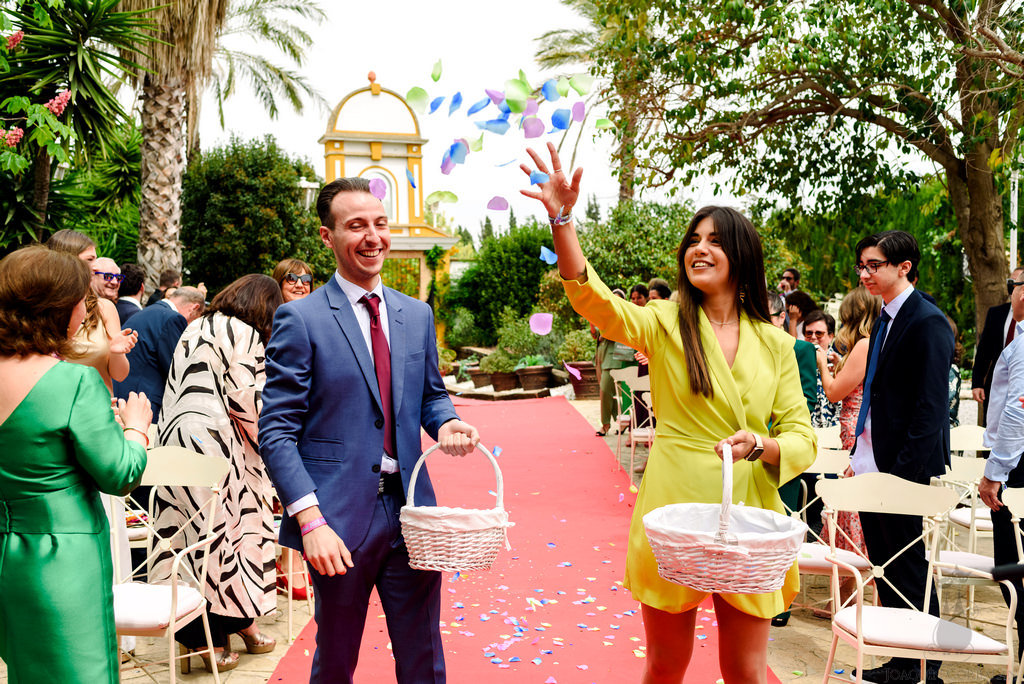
point(124, 342)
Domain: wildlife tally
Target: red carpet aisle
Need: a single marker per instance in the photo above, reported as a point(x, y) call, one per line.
point(552, 610)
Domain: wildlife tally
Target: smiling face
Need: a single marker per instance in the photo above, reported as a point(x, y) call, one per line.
point(294, 286)
point(360, 237)
point(105, 286)
point(707, 267)
point(817, 333)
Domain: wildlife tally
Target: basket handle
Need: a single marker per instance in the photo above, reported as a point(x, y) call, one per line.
point(480, 447)
point(721, 536)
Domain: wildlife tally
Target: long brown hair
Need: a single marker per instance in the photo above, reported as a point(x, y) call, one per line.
point(39, 289)
point(742, 246)
point(72, 242)
point(252, 299)
point(857, 314)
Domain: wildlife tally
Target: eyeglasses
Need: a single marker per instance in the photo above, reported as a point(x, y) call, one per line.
point(1011, 283)
point(304, 279)
point(776, 314)
point(871, 267)
point(109, 277)
point(816, 334)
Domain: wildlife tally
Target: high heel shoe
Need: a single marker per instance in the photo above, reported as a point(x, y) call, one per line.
point(298, 593)
point(226, 660)
point(257, 643)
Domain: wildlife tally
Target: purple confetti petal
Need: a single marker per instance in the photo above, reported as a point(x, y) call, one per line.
point(496, 96)
point(412, 179)
point(446, 163)
point(378, 188)
point(498, 203)
point(533, 127)
point(540, 323)
point(531, 107)
point(578, 110)
point(561, 119)
point(574, 372)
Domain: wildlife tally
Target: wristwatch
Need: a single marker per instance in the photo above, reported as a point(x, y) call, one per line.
point(758, 449)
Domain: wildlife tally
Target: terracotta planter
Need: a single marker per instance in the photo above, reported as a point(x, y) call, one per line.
point(534, 377)
point(480, 378)
point(588, 386)
point(503, 382)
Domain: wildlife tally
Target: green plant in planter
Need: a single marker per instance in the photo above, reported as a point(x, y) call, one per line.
point(578, 346)
point(532, 360)
point(445, 359)
point(498, 362)
point(463, 373)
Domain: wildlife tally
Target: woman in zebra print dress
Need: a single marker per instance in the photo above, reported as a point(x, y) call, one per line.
point(211, 405)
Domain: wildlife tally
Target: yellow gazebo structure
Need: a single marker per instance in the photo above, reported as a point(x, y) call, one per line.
point(373, 133)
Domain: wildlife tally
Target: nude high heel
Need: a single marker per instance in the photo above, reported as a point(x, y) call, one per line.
point(257, 643)
point(226, 660)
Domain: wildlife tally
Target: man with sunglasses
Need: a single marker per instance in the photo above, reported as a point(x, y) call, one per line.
point(903, 426)
point(790, 281)
point(106, 278)
point(996, 335)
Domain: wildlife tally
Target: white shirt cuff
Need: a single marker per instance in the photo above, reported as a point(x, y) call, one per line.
point(302, 504)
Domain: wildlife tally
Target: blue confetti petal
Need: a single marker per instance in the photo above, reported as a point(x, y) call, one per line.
point(550, 90)
point(454, 105)
point(496, 451)
point(561, 119)
point(503, 106)
point(435, 103)
point(458, 152)
point(478, 106)
point(538, 177)
point(547, 256)
point(498, 126)
point(412, 179)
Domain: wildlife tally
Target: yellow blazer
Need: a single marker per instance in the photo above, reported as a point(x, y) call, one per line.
point(760, 393)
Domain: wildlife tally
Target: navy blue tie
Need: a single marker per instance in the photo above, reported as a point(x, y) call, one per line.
point(872, 367)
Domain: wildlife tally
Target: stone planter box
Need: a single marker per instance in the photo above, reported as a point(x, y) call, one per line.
point(588, 386)
point(503, 382)
point(534, 377)
point(480, 378)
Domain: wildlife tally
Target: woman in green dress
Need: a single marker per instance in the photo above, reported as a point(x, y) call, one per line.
point(62, 446)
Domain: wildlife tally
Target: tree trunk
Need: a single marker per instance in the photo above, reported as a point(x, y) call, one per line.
point(40, 193)
point(163, 164)
point(625, 155)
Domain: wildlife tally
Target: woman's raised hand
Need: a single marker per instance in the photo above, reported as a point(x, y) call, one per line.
point(125, 342)
point(558, 194)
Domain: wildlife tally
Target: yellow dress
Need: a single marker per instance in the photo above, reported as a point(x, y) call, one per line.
point(761, 389)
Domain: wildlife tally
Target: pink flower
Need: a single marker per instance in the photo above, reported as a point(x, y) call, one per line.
point(14, 136)
point(58, 103)
point(14, 39)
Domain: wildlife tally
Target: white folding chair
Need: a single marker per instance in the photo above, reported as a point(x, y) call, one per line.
point(159, 609)
point(290, 573)
point(967, 438)
point(623, 376)
point(828, 437)
point(904, 632)
point(641, 431)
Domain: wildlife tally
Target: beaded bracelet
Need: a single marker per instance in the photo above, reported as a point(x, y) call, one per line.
point(563, 217)
point(144, 435)
point(312, 525)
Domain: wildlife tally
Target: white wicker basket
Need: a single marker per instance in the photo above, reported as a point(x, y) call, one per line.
point(724, 548)
point(454, 539)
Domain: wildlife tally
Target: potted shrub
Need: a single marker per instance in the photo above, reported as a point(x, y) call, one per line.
point(445, 360)
point(501, 367)
point(534, 372)
point(577, 351)
point(469, 369)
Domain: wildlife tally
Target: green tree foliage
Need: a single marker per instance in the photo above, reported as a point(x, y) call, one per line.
point(486, 230)
point(506, 273)
point(827, 100)
point(242, 213)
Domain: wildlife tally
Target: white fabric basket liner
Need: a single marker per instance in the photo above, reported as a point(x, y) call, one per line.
point(445, 519)
point(752, 528)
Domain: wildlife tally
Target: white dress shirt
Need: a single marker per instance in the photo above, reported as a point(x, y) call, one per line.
point(1005, 432)
point(354, 293)
point(863, 459)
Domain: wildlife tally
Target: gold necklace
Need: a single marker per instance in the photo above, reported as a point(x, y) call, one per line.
point(723, 323)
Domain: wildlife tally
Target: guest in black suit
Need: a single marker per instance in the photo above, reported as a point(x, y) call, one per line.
point(903, 426)
point(169, 279)
point(159, 327)
point(995, 336)
point(129, 293)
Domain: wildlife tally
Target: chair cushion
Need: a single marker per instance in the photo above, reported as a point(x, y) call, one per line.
point(148, 606)
point(982, 518)
point(906, 628)
point(969, 560)
point(642, 435)
point(812, 559)
point(138, 533)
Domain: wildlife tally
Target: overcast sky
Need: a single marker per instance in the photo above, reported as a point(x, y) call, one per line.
point(480, 45)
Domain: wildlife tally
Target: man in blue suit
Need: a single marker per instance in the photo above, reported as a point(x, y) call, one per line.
point(351, 377)
point(159, 328)
point(903, 426)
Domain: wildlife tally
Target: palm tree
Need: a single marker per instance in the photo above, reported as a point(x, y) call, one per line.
point(565, 47)
point(176, 73)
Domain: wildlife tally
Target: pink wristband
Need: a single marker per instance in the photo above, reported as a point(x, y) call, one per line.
point(312, 525)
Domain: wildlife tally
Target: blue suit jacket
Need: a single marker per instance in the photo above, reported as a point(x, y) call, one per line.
point(321, 426)
point(125, 310)
point(910, 393)
point(159, 329)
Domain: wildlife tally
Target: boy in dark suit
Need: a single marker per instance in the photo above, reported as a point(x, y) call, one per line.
point(903, 426)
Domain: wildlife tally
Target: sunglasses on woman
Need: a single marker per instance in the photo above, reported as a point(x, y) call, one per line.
point(294, 278)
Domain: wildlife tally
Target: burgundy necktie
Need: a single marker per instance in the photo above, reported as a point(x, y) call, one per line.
point(382, 362)
point(1010, 332)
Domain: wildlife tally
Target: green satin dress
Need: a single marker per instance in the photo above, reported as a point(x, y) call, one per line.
point(59, 448)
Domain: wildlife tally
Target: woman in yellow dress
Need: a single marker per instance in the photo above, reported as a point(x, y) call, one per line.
point(720, 373)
